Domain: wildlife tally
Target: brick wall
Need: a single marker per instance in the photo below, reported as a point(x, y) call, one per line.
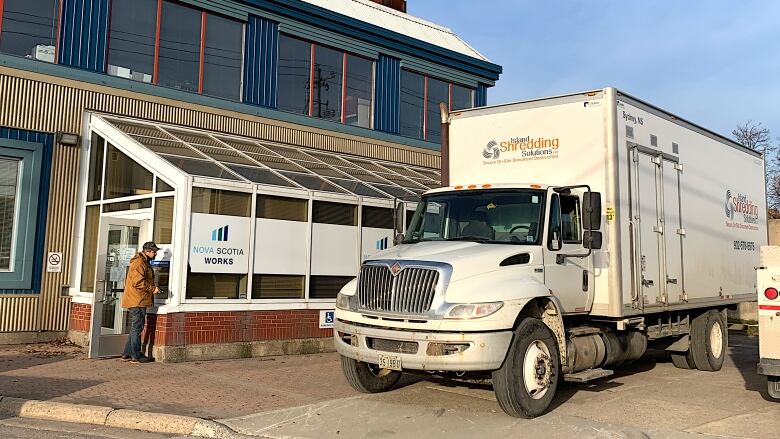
point(190, 328)
point(80, 317)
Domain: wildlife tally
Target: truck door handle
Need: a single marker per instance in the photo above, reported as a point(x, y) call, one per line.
point(647, 282)
point(585, 280)
point(669, 280)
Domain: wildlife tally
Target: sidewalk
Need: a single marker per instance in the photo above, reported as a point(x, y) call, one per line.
point(209, 389)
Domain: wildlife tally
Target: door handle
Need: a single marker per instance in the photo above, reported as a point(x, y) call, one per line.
point(647, 282)
point(669, 280)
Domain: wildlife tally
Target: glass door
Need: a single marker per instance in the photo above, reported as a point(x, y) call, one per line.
point(119, 241)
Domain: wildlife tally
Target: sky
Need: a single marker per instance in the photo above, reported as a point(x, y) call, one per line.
point(715, 63)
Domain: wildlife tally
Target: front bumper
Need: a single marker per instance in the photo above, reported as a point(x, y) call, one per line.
point(485, 351)
point(769, 367)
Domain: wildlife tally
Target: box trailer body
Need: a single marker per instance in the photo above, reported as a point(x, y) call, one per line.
point(684, 208)
point(570, 232)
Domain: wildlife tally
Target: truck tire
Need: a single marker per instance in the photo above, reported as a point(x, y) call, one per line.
point(368, 378)
point(708, 341)
point(773, 386)
point(526, 382)
point(683, 361)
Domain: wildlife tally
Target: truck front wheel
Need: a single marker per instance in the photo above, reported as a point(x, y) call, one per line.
point(526, 382)
point(368, 378)
point(773, 386)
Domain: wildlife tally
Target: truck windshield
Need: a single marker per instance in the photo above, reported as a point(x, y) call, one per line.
point(488, 216)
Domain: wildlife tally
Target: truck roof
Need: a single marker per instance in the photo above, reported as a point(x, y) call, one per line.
point(621, 95)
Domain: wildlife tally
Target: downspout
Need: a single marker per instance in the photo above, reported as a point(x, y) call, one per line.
point(445, 144)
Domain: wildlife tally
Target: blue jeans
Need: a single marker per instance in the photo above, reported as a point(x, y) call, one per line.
point(137, 321)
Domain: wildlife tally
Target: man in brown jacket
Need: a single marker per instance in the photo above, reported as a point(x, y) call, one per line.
point(139, 292)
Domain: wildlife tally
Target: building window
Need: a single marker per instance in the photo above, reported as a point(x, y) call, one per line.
point(89, 257)
point(176, 46)
point(132, 39)
point(420, 98)
point(377, 217)
point(95, 180)
point(325, 212)
point(219, 202)
point(326, 83)
point(9, 182)
point(125, 177)
point(277, 286)
point(178, 63)
point(163, 220)
point(359, 91)
point(282, 208)
point(29, 28)
point(216, 285)
point(327, 287)
point(294, 72)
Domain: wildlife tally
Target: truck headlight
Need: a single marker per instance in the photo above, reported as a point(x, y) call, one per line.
point(342, 301)
point(473, 310)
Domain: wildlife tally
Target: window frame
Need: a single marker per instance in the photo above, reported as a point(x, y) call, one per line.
point(426, 78)
point(344, 77)
point(57, 29)
point(15, 219)
point(201, 44)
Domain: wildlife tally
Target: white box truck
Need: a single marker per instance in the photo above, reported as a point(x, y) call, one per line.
point(570, 232)
point(768, 286)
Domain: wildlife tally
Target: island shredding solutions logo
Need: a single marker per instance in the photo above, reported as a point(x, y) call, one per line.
point(520, 149)
point(741, 211)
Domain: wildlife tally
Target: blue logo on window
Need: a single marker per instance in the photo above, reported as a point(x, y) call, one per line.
point(220, 234)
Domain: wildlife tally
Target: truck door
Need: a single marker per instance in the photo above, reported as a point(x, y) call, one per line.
point(656, 210)
point(571, 280)
point(647, 216)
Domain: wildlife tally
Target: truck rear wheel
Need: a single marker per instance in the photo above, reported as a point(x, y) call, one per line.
point(708, 341)
point(368, 378)
point(683, 361)
point(773, 386)
point(526, 382)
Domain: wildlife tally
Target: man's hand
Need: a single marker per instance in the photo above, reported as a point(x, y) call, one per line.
point(156, 290)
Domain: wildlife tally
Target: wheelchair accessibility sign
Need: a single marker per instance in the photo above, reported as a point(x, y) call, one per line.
point(326, 319)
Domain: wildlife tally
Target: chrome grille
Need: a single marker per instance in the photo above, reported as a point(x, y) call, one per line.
point(410, 292)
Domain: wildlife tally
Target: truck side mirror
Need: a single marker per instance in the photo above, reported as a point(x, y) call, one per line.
point(591, 205)
point(398, 221)
point(592, 240)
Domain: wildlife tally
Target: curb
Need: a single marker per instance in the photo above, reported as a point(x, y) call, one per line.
point(120, 418)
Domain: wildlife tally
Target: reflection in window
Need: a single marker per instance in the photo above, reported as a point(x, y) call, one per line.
point(275, 286)
point(222, 58)
point(462, 98)
point(216, 286)
point(412, 104)
point(219, 202)
point(89, 256)
point(360, 84)
point(9, 178)
point(163, 220)
point(328, 68)
point(95, 180)
point(29, 28)
point(179, 58)
point(570, 219)
point(438, 91)
point(294, 70)
point(125, 177)
point(132, 35)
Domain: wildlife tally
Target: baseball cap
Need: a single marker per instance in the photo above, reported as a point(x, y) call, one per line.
point(150, 246)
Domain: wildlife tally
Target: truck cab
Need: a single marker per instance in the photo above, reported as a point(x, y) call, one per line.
point(768, 285)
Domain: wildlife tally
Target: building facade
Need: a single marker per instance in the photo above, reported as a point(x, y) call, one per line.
point(261, 143)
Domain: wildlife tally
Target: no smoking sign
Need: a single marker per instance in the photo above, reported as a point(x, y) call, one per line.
point(54, 262)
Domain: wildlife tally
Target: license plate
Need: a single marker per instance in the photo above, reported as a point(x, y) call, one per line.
point(392, 362)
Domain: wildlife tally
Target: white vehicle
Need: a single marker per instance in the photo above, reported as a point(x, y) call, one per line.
point(768, 284)
point(572, 230)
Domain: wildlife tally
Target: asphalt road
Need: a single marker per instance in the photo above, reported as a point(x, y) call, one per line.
point(648, 399)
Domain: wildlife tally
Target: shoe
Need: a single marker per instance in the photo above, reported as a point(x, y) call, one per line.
point(126, 358)
point(141, 360)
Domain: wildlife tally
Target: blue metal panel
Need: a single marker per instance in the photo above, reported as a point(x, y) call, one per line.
point(480, 100)
point(84, 34)
point(261, 58)
point(387, 114)
point(47, 140)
